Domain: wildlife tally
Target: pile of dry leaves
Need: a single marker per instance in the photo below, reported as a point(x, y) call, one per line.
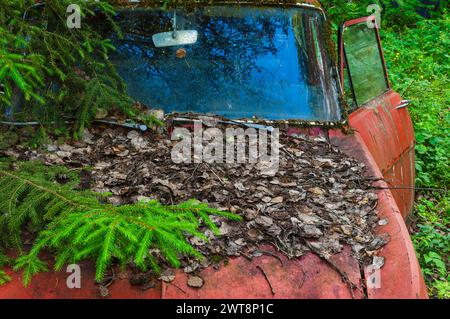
point(318, 200)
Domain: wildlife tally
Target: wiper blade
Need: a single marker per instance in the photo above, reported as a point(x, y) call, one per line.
point(212, 120)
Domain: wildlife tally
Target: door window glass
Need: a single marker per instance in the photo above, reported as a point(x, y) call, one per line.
point(364, 63)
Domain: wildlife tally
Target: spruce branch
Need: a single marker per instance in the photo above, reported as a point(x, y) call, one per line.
point(4, 278)
point(39, 53)
point(4, 260)
point(75, 225)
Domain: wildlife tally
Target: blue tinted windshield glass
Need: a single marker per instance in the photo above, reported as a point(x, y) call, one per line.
point(268, 63)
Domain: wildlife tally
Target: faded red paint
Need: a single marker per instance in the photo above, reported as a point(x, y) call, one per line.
point(52, 285)
point(305, 277)
point(388, 134)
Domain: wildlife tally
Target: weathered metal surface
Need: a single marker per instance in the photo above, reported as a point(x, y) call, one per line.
point(389, 136)
point(304, 277)
point(52, 285)
point(400, 277)
point(388, 133)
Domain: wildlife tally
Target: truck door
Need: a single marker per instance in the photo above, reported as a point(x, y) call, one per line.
point(377, 112)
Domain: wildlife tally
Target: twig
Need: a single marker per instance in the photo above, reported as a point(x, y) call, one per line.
point(343, 274)
point(108, 280)
point(304, 274)
point(373, 179)
point(280, 249)
point(265, 252)
point(220, 180)
point(374, 206)
point(181, 289)
point(287, 152)
point(267, 278)
point(249, 258)
point(193, 173)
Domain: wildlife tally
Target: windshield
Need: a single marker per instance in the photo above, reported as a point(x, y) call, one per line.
point(240, 62)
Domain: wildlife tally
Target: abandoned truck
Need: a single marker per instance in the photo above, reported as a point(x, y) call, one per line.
point(269, 66)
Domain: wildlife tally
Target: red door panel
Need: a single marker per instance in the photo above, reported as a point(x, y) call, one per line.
point(387, 131)
point(388, 134)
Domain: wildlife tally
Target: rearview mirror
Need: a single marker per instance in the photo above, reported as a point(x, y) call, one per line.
point(175, 38)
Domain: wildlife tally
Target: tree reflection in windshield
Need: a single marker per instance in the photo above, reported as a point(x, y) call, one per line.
point(269, 63)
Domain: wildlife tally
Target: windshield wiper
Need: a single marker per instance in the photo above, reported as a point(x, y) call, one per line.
point(212, 120)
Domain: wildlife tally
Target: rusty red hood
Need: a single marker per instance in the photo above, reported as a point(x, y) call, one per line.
point(268, 276)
